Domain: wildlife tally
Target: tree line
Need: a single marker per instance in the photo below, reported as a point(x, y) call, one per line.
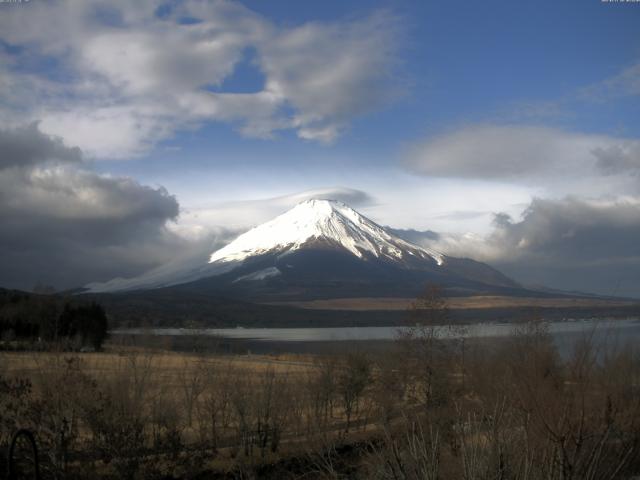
point(26, 317)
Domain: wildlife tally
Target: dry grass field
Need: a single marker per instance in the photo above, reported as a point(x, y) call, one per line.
point(425, 410)
point(479, 302)
point(180, 412)
point(170, 366)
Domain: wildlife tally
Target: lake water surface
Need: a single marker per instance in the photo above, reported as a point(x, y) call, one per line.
point(627, 329)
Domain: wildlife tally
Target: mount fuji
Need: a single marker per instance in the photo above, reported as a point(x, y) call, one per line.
point(320, 249)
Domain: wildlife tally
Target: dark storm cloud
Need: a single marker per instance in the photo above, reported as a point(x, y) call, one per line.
point(26, 146)
point(65, 225)
point(573, 244)
point(573, 230)
point(569, 244)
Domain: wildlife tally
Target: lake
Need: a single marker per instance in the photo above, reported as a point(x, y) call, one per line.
point(617, 332)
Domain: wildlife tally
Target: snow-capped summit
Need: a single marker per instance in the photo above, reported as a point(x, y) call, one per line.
point(322, 248)
point(321, 222)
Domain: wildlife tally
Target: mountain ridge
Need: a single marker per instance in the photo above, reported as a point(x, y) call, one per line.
point(320, 219)
point(326, 247)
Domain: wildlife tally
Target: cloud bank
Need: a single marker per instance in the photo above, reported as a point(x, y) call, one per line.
point(580, 230)
point(569, 243)
point(574, 243)
point(525, 154)
point(64, 225)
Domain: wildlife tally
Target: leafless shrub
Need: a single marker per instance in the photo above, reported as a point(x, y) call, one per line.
point(165, 426)
point(430, 347)
point(321, 386)
point(192, 384)
point(271, 405)
point(410, 454)
point(389, 389)
point(214, 411)
point(117, 415)
point(536, 417)
point(325, 461)
point(353, 378)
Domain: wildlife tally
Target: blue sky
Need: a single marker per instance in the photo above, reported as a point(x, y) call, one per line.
point(490, 62)
point(426, 115)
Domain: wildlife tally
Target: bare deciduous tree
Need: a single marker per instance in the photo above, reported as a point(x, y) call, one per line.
point(353, 378)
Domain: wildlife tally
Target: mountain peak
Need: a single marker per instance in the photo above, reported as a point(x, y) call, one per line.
point(321, 220)
point(320, 208)
point(321, 246)
point(321, 203)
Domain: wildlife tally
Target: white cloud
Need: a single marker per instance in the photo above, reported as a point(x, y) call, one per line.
point(116, 77)
point(331, 72)
point(623, 84)
point(112, 131)
point(242, 215)
point(562, 161)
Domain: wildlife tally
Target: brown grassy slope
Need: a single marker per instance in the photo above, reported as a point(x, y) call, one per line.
point(476, 302)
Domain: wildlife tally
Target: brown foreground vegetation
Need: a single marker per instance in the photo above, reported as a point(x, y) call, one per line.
point(429, 409)
point(472, 302)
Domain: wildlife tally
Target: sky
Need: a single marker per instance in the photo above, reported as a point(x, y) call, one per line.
point(133, 134)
